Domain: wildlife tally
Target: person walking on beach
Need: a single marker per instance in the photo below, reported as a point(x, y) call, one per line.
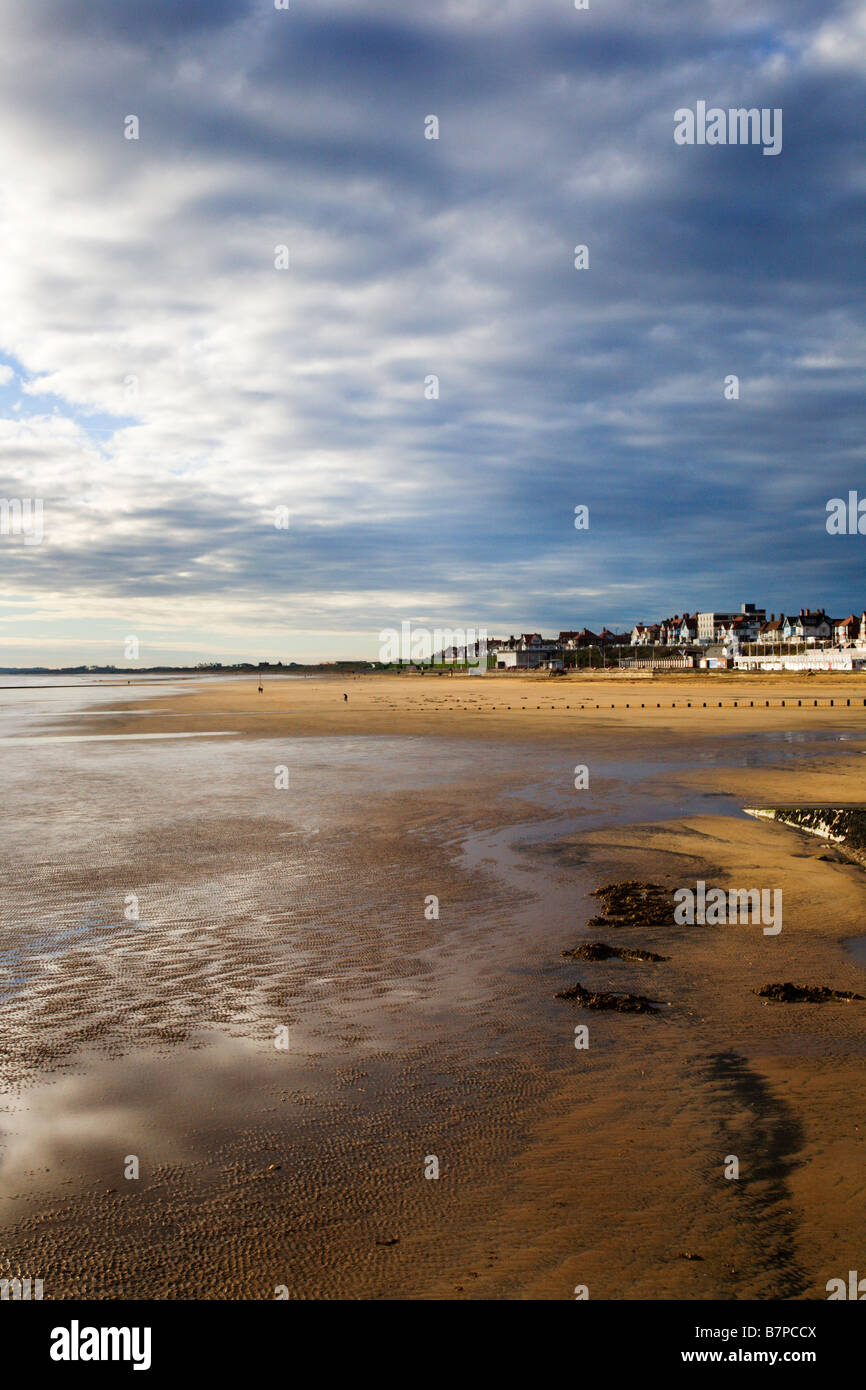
point(346, 698)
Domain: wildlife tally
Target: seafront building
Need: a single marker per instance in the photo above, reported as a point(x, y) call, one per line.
point(748, 639)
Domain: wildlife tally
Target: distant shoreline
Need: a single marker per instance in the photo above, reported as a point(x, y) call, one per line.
point(363, 668)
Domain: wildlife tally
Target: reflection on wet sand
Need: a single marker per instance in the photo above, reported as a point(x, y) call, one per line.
point(239, 986)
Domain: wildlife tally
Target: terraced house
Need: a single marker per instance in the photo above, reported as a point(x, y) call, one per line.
point(810, 626)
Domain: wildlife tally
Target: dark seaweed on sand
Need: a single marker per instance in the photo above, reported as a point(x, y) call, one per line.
point(634, 903)
point(600, 950)
point(616, 1003)
point(804, 994)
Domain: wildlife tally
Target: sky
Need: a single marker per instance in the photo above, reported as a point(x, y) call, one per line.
point(239, 460)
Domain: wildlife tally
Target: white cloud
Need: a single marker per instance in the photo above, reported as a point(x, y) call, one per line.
point(841, 43)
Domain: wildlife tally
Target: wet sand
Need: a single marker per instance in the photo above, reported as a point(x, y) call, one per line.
point(507, 706)
point(412, 1037)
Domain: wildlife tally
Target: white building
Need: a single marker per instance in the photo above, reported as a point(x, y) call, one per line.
point(529, 653)
point(714, 627)
point(528, 658)
point(810, 626)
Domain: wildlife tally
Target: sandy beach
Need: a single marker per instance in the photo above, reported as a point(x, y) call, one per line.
point(416, 1035)
point(412, 704)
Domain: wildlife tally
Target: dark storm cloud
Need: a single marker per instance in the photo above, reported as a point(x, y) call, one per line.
point(133, 21)
point(455, 257)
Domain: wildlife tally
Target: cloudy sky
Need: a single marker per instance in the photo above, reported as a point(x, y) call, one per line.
point(165, 387)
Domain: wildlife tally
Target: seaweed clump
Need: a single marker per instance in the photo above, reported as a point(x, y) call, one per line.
point(616, 1003)
point(804, 994)
point(633, 903)
point(600, 950)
